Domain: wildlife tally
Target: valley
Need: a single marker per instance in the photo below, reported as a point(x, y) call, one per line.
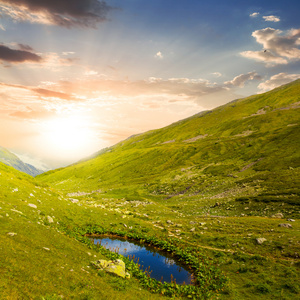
point(220, 190)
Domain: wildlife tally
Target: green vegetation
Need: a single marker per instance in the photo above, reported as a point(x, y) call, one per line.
point(213, 189)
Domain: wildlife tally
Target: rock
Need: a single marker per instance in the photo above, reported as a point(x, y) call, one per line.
point(260, 240)
point(193, 229)
point(278, 216)
point(116, 267)
point(202, 223)
point(74, 200)
point(286, 225)
point(32, 205)
point(47, 249)
point(50, 220)
point(291, 220)
point(11, 233)
point(169, 222)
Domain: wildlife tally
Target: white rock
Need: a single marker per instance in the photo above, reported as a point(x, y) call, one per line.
point(260, 240)
point(32, 205)
point(11, 233)
point(50, 220)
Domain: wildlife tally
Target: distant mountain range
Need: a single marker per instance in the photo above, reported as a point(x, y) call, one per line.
point(14, 161)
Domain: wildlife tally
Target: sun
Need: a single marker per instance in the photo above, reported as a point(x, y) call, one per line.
point(68, 136)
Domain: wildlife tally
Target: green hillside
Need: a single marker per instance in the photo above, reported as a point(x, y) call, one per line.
point(245, 150)
point(39, 255)
point(12, 160)
point(219, 190)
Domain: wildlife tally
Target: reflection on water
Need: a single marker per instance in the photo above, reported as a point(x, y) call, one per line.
point(161, 266)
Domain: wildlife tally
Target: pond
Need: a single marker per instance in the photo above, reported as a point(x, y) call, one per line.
point(161, 265)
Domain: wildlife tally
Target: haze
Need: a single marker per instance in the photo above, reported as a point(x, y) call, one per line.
point(80, 76)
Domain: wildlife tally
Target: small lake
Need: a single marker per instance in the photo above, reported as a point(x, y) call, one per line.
point(163, 266)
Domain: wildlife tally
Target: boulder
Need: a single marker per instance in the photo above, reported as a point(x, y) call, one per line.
point(32, 205)
point(278, 216)
point(286, 225)
point(259, 241)
point(116, 267)
point(50, 220)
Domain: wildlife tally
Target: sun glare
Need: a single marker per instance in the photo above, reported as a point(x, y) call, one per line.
point(68, 136)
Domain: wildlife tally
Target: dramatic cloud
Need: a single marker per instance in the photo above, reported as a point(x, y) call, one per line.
point(240, 80)
point(66, 13)
point(271, 18)
point(278, 48)
point(25, 47)
point(17, 56)
point(277, 80)
point(44, 93)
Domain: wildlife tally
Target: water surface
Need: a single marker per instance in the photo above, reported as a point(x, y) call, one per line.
point(162, 265)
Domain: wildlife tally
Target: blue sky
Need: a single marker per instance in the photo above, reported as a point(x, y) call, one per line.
point(77, 76)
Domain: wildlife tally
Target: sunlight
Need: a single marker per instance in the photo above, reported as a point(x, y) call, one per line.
point(69, 136)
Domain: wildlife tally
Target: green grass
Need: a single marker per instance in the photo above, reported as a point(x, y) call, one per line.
point(206, 196)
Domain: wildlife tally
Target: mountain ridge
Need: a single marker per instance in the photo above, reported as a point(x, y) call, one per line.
point(14, 161)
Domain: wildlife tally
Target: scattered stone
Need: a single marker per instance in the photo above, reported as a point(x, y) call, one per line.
point(31, 195)
point(278, 216)
point(169, 222)
point(123, 217)
point(116, 267)
point(19, 212)
point(193, 229)
point(202, 223)
point(260, 240)
point(192, 222)
point(291, 220)
point(178, 225)
point(11, 233)
point(15, 190)
point(47, 249)
point(32, 205)
point(286, 225)
point(74, 200)
point(246, 208)
point(50, 220)
point(125, 225)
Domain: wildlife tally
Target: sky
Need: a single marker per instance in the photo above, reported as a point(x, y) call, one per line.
point(78, 76)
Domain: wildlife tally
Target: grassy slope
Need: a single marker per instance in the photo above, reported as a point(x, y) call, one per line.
point(27, 269)
point(220, 175)
point(248, 142)
point(218, 191)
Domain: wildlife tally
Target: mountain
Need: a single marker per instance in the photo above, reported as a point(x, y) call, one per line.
point(12, 160)
point(219, 191)
point(246, 149)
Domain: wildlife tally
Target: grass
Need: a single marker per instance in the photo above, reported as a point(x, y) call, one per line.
point(205, 198)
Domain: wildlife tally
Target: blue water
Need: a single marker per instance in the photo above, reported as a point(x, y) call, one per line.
point(162, 265)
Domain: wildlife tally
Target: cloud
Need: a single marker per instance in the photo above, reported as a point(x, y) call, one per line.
point(25, 47)
point(279, 47)
point(271, 18)
point(277, 80)
point(217, 74)
point(18, 56)
point(254, 15)
point(44, 93)
point(159, 55)
point(2, 27)
point(66, 13)
point(239, 81)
